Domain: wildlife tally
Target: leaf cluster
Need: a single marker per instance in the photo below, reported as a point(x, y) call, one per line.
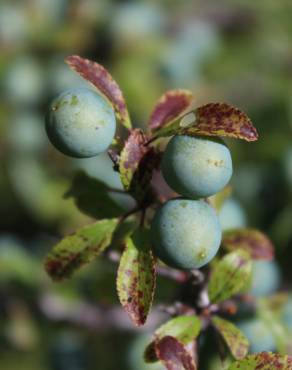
point(136, 158)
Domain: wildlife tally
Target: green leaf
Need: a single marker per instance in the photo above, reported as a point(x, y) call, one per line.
point(169, 107)
point(233, 337)
point(92, 197)
point(79, 249)
point(263, 361)
point(229, 276)
point(136, 277)
point(104, 82)
point(123, 231)
point(174, 355)
point(183, 328)
point(214, 119)
point(136, 165)
point(257, 244)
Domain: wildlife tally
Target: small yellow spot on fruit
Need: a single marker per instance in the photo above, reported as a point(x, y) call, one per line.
point(202, 255)
point(215, 162)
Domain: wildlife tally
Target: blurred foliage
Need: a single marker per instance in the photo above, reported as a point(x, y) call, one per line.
point(233, 50)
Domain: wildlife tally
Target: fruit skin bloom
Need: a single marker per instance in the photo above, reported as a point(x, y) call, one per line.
point(80, 123)
point(186, 234)
point(196, 167)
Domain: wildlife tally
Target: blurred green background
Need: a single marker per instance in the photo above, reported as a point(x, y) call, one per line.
point(236, 51)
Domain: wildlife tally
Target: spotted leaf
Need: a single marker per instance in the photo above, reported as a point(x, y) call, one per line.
point(99, 77)
point(213, 119)
point(79, 249)
point(263, 361)
point(136, 277)
point(174, 355)
point(233, 337)
point(136, 165)
point(229, 276)
point(169, 107)
point(257, 244)
point(183, 328)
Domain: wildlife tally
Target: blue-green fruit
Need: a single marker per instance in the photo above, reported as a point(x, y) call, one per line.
point(185, 233)
point(258, 334)
point(80, 123)
point(266, 278)
point(232, 215)
point(196, 166)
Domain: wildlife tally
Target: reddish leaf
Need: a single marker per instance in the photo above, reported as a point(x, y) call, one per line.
point(257, 244)
point(136, 277)
point(174, 355)
point(169, 107)
point(214, 119)
point(103, 81)
point(136, 165)
point(263, 361)
point(183, 328)
point(223, 119)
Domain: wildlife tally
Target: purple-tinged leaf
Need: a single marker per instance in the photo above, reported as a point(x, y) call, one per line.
point(174, 355)
point(169, 107)
point(98, 76)
point(229, 276)
point(78, 249)
point(224, 119)
point(257, 244)
point(263, 361)
point(214, 119)
point(233, 337)
point(136, 277)
point(183, 328)
point(136, 165)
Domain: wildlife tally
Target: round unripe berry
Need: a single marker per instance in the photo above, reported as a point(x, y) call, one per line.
point(185, 233)
point(232, 215)
point(259, 335)
point(80, 123)
point(266, 278)
point(196, 166)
